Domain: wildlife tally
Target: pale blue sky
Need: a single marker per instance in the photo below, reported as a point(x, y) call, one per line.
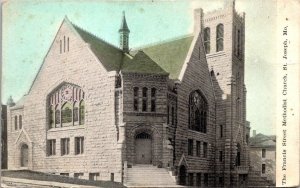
point(29, 28)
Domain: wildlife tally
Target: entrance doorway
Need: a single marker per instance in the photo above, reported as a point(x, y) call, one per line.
point(182, 175)
point(143, 148)
point(24, 155)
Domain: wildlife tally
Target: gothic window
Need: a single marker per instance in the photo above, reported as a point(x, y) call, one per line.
point(153, 99)
point(20, 122)
point(66, 113)
point(66, 106)
point(197, 112)
point(207, 40)
point(145, 99)
point(221, 131)
point(16, 122)
point(135, 98)
point(220, 36)
point(263, 168)
point(81, 113)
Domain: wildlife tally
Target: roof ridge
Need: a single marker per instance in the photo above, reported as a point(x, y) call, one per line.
point(97, 37)
point(162, 42)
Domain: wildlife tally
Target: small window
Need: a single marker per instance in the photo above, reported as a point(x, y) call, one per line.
point(198, 148)
point(190, 179)
point(205, 179)
point(220, 156)
point(79, 145)
point(78, 175)
point(221, 131)
point(75, 114)
point(51, 118)
point(16, 122)
point(64, 174)
point(190, 147)
point(263, 168)
point(57, 117)
point(145, 99)
point(221, 181)
point(20, 122)
point(263, 153)
point(153, 99)
point(204, 149)
point(198, 180)
point(65, 146)
point(51, 147)
point(94, 176)
point(207, 40)
point(135, 98)
point(220, 35)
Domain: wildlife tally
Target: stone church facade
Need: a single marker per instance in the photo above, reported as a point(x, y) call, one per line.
point(95, 110)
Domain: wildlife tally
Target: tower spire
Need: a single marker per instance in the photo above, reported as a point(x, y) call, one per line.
point(124, 34)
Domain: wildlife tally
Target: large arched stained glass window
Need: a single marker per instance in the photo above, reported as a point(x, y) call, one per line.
point(220, 36)
point(66, 106)
point(197, 112)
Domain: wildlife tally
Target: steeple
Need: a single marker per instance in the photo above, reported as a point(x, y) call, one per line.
point(124, 35)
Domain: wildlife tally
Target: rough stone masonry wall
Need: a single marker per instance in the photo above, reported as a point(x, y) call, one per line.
point(80, 67)
point(136, 122)
point(196, 77)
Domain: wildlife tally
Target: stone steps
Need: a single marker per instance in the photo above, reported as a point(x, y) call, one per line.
point(255, 180)
point(149, 176)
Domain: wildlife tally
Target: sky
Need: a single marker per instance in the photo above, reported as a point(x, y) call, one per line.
point(29, 28)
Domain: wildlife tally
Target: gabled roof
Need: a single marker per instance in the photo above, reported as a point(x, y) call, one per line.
point(170, 55)
point(109, 55)
point(261, 140)
point(141, 63)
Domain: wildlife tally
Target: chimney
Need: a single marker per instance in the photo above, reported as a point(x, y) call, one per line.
point(198, 21)
point(254, 133)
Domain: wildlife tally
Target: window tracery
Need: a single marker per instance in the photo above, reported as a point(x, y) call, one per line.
point(197, 112)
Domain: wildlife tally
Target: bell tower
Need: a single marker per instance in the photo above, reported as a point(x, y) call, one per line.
point(223, 36)
point(124, 35)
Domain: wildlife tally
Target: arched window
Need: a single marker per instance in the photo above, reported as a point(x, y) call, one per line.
point(197, 112)
point(16, 122)
point(145, 99)
point(66, 113)
point(153, 99)
point(20, 122)
point(220, 36)
point(81, 113)
point(135, 98)
point(207, 40)
point(65, 108)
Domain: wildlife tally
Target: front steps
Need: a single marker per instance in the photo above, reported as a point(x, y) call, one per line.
point(149, 176)
point(255, 180)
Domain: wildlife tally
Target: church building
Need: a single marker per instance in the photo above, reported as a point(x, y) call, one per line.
point(173, 109)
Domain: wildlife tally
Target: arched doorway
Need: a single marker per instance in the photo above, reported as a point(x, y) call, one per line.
point(143, 148)
point(24, 155)
point(182, 175)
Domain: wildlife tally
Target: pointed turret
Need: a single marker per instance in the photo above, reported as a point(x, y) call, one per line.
point(10, 102)
point(124, 35)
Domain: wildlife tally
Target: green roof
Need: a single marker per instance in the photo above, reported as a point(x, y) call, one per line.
point(109, 55)
point(170, 55)
point(163, 58)
point(141, 63)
